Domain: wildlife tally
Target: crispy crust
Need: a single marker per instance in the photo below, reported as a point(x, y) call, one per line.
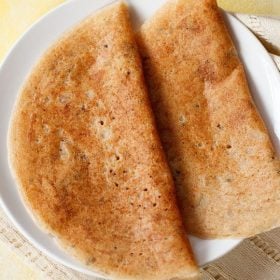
point(86, 155)
point(227, 176)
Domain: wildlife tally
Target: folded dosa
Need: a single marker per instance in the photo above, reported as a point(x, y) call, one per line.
point(88, 160)
point(227, 176)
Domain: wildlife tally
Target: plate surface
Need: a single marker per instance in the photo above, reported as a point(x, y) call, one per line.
point(262, 74)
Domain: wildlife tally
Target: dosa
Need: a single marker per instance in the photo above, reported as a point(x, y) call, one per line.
point(86, 155)
point(226, 172)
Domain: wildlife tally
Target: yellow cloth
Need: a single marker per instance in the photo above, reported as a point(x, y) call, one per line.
point(13, 267)
point(261, 7)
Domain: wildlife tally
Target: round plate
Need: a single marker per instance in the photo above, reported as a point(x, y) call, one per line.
point(262, 75)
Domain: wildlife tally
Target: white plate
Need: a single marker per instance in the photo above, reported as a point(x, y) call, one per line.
point(262, 73)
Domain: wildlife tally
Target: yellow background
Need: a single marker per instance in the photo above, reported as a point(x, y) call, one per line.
point(17, 15)
point(262, 7)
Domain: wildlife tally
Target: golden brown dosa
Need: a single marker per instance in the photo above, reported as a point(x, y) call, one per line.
point(87, 158)
point(227, 176)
